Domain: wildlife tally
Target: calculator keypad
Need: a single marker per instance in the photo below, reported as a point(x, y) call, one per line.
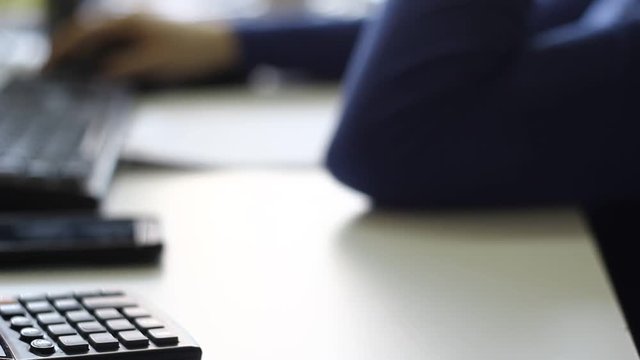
point(108, 314)
point(77, 322)
point(162, 337)
point(64, 305)
point(37, 307)
point(90, 327)
point(9, 310)
point(133, 339)
point(50, 318)
point(61, 330)
point(135, 312)
point(104, 342)
point(20, 322)
point(73, 344)
point(42, 346)
point(31, 333)
point(119, 325)
point(77, 316)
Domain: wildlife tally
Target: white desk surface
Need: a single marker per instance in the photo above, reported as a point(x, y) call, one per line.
point(286, 264)
point(233, 126)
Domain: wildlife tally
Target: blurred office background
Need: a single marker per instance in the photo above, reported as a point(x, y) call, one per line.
point(218, 135)
point(195, 10)
point(31, 11)
point(23, 44)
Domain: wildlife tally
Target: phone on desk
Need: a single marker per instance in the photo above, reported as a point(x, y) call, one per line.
point(27, 240)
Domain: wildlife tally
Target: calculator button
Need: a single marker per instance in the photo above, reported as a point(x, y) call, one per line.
point(51, 318)
point(32, 297)
point(60, 295)
point(145, 324)
point(162, 337)
point(135, 312)
point(79, 316)
point(42, 347)
point(119, 325)
point(94, 303)
point(87, 293)
point(133, 339)
point(90, 327)
point(103, 342)
point(108, 314)
point(20, 322)
point(65, 305)
point(61, 330)
point(73, 344)
point(112, 292)
point(30, 333)
point(37, 307)
point(10, 310)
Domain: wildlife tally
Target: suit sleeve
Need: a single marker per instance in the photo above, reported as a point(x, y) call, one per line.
point(451, 103)
point(315, 46)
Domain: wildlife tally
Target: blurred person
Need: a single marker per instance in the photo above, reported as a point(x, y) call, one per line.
point(448, 102)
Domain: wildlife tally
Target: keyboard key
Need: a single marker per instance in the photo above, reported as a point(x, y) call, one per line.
point(51, 318)
point(20, 322)
point(37, 307)
point(65, 305)
point(61, 330)
point(108, 314)
point(133, 339)
point(145, 324)
point(94, 303)
point(103, 342)
point(119, 325)
point(162, 337)
point(42, 347)
point(10, 310)
point(73, 344)
point(90, 327)
point(30, 333)
point(79, 316)
point(135, 312)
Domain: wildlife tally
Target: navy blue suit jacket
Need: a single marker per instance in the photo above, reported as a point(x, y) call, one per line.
point(477, 102)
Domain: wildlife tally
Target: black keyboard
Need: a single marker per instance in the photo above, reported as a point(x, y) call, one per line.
point(106, 325)
point(59, 142)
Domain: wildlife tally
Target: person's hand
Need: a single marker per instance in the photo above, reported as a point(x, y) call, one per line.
point(156, 50)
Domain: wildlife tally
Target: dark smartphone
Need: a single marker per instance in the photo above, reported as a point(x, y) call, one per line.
point(77, 239)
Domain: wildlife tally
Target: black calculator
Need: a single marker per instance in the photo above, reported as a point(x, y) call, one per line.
point(85, 325)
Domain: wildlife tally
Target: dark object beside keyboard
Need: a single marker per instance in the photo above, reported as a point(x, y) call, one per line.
point(89, 325)
point(37, 240)
point(59, 143)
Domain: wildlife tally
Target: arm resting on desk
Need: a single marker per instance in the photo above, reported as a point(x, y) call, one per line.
point(450, 103)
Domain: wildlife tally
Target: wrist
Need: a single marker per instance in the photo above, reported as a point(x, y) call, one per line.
point(220, 48)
